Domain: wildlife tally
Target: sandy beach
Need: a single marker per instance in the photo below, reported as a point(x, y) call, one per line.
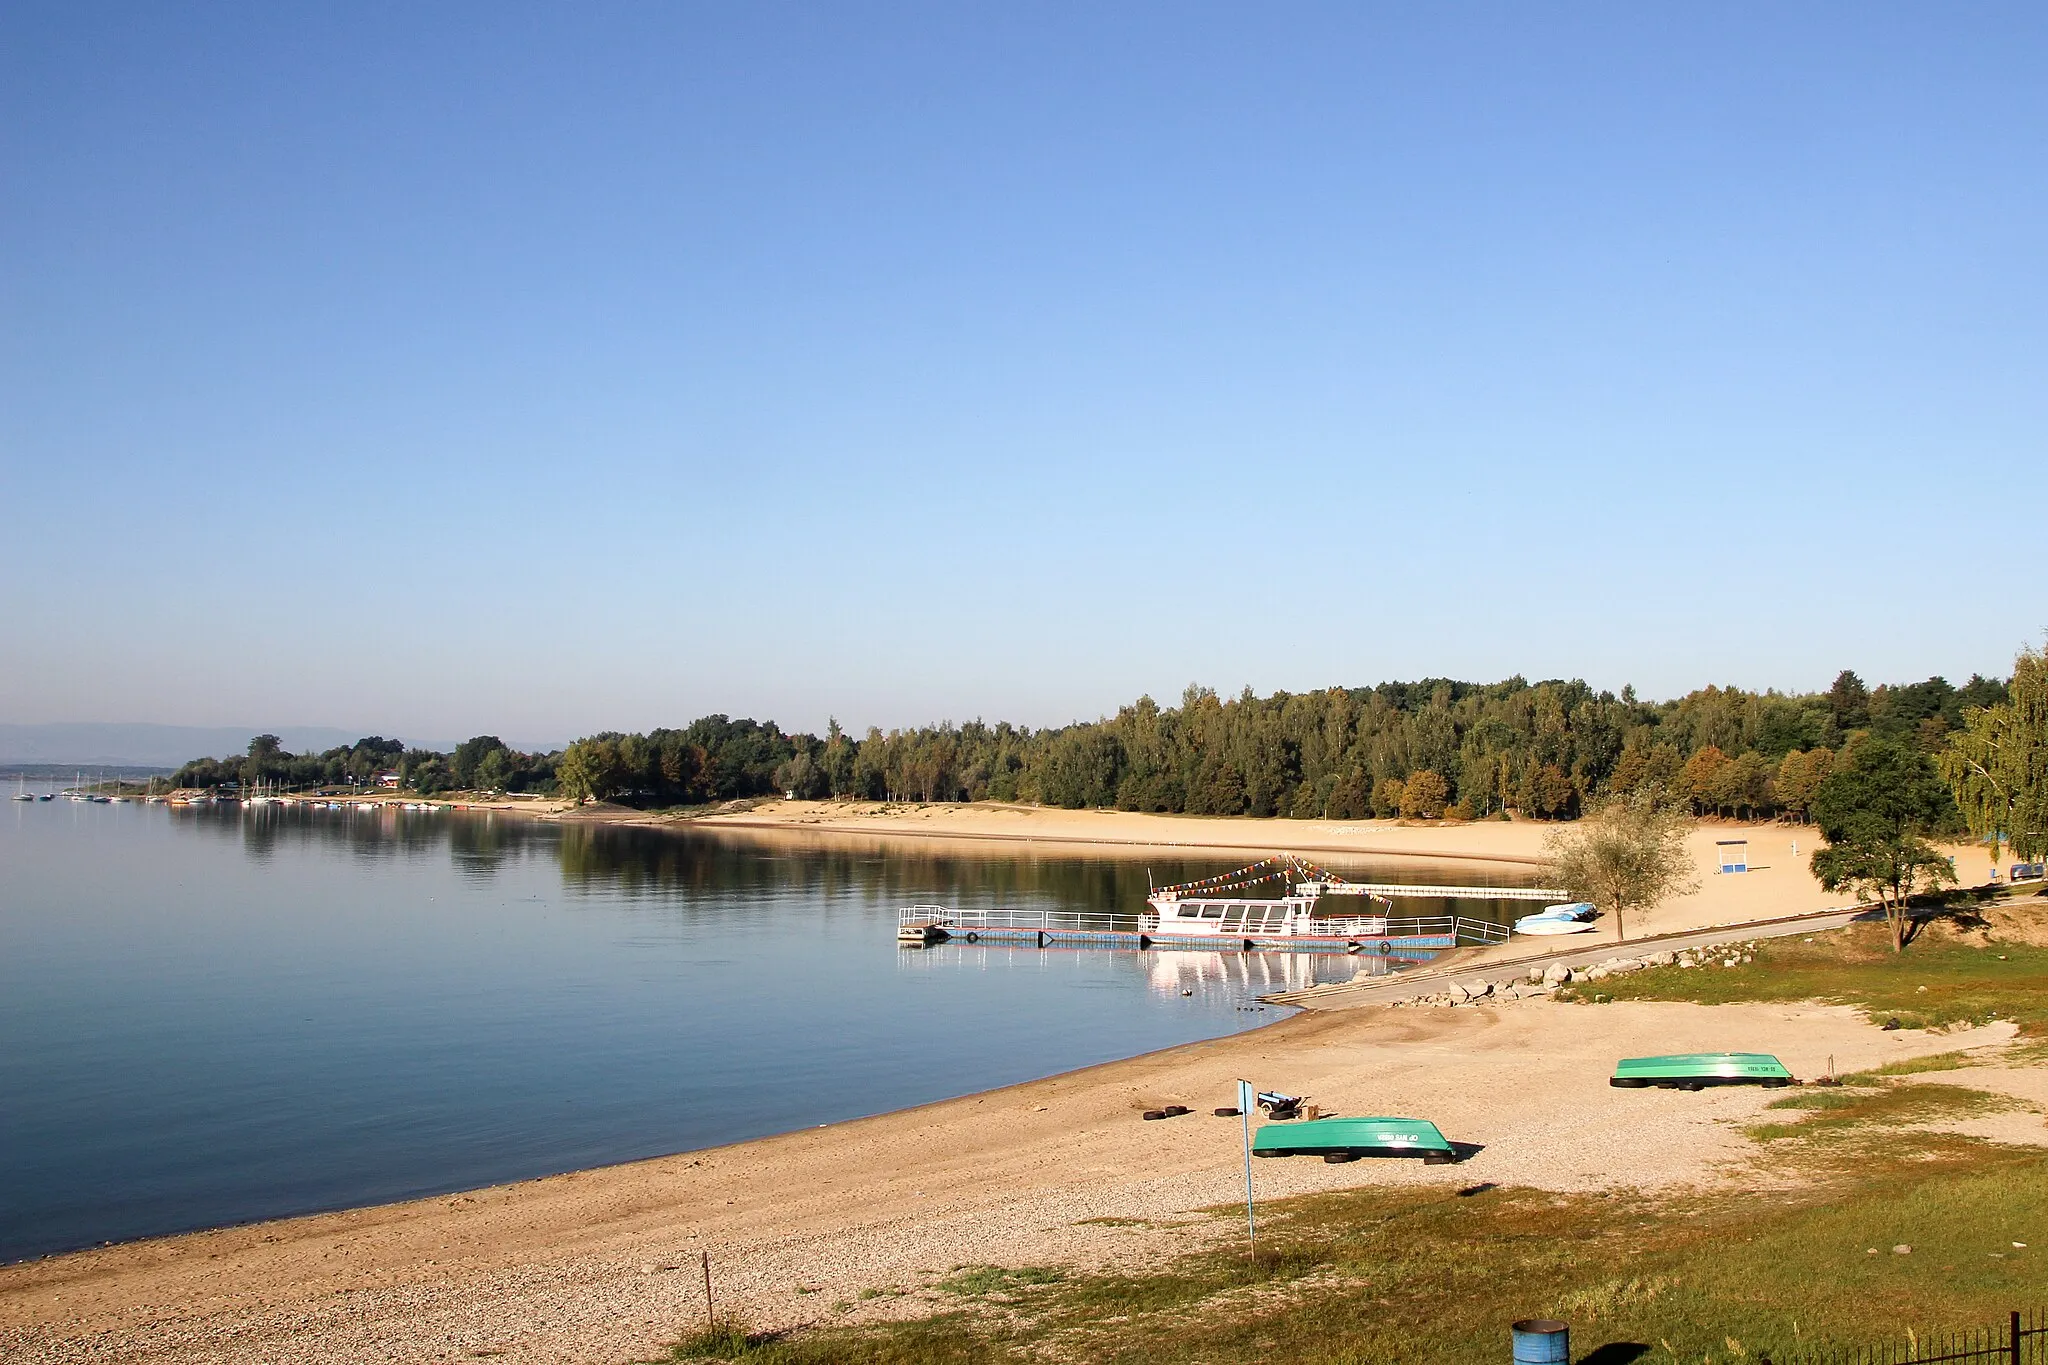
point(1777, 884)
point(602, 1265)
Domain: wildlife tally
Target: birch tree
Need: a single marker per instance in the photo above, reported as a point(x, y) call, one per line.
point(1996, 767)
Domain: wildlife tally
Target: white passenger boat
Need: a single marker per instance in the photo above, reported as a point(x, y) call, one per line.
point(1283, 917)
point(1218, 909)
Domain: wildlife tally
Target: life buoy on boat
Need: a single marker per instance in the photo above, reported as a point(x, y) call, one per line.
point(1386, 948)
point(973, 937)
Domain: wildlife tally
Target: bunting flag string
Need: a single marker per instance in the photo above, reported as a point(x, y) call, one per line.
point(1264, 870)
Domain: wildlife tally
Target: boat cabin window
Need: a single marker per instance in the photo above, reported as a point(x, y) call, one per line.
point(1212, 912)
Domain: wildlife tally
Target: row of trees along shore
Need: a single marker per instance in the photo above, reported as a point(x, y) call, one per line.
point(1423, 750)
point(1882, 771)
point(482, 763)
point(1433, 749)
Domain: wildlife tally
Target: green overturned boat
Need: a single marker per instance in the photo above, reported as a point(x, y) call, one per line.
point(1698, 1070)
point(1337, 1140)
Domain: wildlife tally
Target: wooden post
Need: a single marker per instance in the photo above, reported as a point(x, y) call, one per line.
point(2013, 1341)
point(710, 1322)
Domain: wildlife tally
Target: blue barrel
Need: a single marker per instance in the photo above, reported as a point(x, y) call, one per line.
point(1542, 1341)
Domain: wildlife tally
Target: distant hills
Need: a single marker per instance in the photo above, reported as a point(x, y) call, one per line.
point(165, 746)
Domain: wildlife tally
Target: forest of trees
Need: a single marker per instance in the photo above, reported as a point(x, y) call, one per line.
point(1424, 750)
point(1421, 750)
point(481, 763)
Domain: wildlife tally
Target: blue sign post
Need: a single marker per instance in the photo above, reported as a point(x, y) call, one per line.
point(1248, 1100)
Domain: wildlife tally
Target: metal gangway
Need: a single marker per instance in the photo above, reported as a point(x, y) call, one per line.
point(1305, 878)
point(1396, 890)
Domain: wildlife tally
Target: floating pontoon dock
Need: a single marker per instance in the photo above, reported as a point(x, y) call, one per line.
point(1422, 936)
point(1216, 914)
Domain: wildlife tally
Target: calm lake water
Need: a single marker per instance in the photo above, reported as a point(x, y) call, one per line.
point(209, 1017)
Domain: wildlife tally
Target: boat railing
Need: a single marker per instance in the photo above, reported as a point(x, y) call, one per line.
point(1461, 929)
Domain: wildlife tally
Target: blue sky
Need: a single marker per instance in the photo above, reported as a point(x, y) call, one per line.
point(541, 369)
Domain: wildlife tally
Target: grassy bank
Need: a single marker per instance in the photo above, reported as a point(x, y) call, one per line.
point(1970, 968)
point(1436, 1276)
point(1804, 1257)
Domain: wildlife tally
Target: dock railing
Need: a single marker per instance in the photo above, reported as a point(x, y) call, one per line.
point(1459, 928)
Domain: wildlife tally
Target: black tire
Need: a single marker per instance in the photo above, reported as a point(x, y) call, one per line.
point(1174, 1111)
point(1151, 1114)
point(1438, 1158)
point(974, 938)
point(1228, 1113)
point(1386, 948)
point(1693, 1085)
point(1627, 1082)
point(1338, 1158)
point(1259, 1153)
point(1776, 1085)
point(1282, 1115)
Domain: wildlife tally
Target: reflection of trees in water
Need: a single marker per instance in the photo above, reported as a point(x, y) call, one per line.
point(478, 846)
point(703, 863)
point(619, 859)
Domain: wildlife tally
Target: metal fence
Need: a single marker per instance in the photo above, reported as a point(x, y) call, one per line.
point(2022, 1339)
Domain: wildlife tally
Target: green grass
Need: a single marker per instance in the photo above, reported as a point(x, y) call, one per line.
point(1910, 1066)
point(977, 1281)
point(1423, 1275)
point(1877, 1114)
point(1936, 982)
point(727, 1340)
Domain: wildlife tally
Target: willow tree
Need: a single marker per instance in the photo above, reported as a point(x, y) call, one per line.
point(1996, 767)
point(1626, 856)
